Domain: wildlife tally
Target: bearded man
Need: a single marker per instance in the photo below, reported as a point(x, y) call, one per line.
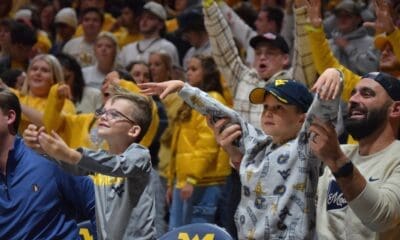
point(359, 192)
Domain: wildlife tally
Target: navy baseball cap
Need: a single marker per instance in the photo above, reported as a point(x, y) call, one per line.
point(272, 39)
point(191, 19)
point(388, 82)
point(287, 91)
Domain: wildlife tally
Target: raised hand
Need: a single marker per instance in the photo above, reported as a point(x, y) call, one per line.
point(54, 146)
point(328, 84)
point(314, 12)
point(64, 91)
point(384, 22)
point(162, 88)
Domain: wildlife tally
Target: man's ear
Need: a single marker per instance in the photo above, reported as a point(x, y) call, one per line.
point(286, 60)
point(395, 110)
point(134, 131)
point(11, 117)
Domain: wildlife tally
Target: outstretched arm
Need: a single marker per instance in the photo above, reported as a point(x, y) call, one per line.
point(32, 114)
point(54, 146)
point(224, 50)
point(53, 117)
point(133, 162)
point(162, 89)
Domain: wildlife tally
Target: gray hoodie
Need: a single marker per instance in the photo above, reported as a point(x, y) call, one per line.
point(124, 196)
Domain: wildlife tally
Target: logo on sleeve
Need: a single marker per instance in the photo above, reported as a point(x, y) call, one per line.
point(372, 179)
point(335, 199)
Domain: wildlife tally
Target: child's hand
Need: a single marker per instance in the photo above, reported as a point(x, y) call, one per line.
point(30, 136)
point(162, 88)
point(56, 148)
point(187, 191)
point(328, 84)
point(226, 135)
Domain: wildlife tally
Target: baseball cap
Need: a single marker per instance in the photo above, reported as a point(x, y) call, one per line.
point(287, 91)
point(191, 19)
point(380, 41)
point(388, 82)
point(156, 9)
point(272, 39)
point(23, 14)
point(349, 7)
point(67, 16)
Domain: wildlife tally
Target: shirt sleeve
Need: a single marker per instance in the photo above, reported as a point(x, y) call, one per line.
point(379, 208)
point(134, 162)
point(224, 49)
point(206, 105)
point(78, 193)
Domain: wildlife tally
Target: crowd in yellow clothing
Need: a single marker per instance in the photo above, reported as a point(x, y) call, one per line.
point(107, 39)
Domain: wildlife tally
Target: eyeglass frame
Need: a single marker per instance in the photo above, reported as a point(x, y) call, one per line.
point(101, 111)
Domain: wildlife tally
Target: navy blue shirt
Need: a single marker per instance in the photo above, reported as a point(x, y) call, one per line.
point(38, 200)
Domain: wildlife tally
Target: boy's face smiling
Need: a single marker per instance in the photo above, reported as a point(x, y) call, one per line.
point(116, 122)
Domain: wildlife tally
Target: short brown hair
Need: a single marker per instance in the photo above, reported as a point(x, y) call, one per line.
point(142, 109)
point(9, 101)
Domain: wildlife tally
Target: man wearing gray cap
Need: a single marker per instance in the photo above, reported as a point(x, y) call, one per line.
point(151, 25)
point(359, 192)
point(350, 42)
point(66, 22)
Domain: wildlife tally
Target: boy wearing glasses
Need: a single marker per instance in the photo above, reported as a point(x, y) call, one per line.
point(125, 203)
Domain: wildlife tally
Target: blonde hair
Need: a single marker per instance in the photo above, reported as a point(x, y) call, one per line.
point(166, 60)
point(55, 68)
point(114, 40)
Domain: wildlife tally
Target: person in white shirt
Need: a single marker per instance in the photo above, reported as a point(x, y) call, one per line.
point(151, 25)
point(82, 47)
point(359, 192)
point(105, 51)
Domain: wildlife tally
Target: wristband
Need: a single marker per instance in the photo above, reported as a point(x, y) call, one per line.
point(191, 180)
point(344, 171)
point(340, 74)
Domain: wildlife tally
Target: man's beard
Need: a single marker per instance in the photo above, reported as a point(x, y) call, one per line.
point(373, 120)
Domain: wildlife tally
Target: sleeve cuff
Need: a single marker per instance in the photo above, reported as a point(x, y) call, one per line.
point(191, 180)
point(310, 28)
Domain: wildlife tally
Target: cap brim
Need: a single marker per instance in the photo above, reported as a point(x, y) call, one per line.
point(380, 41)
point(257, 96)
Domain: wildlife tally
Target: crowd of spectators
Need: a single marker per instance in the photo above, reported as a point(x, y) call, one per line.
point(283, 123)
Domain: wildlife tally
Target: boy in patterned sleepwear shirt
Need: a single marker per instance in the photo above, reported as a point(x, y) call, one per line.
point(278, 172)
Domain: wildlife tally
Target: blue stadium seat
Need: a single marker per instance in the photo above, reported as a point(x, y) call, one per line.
point(197, 231)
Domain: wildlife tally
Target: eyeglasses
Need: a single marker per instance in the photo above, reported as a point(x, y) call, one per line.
point(112, 114)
